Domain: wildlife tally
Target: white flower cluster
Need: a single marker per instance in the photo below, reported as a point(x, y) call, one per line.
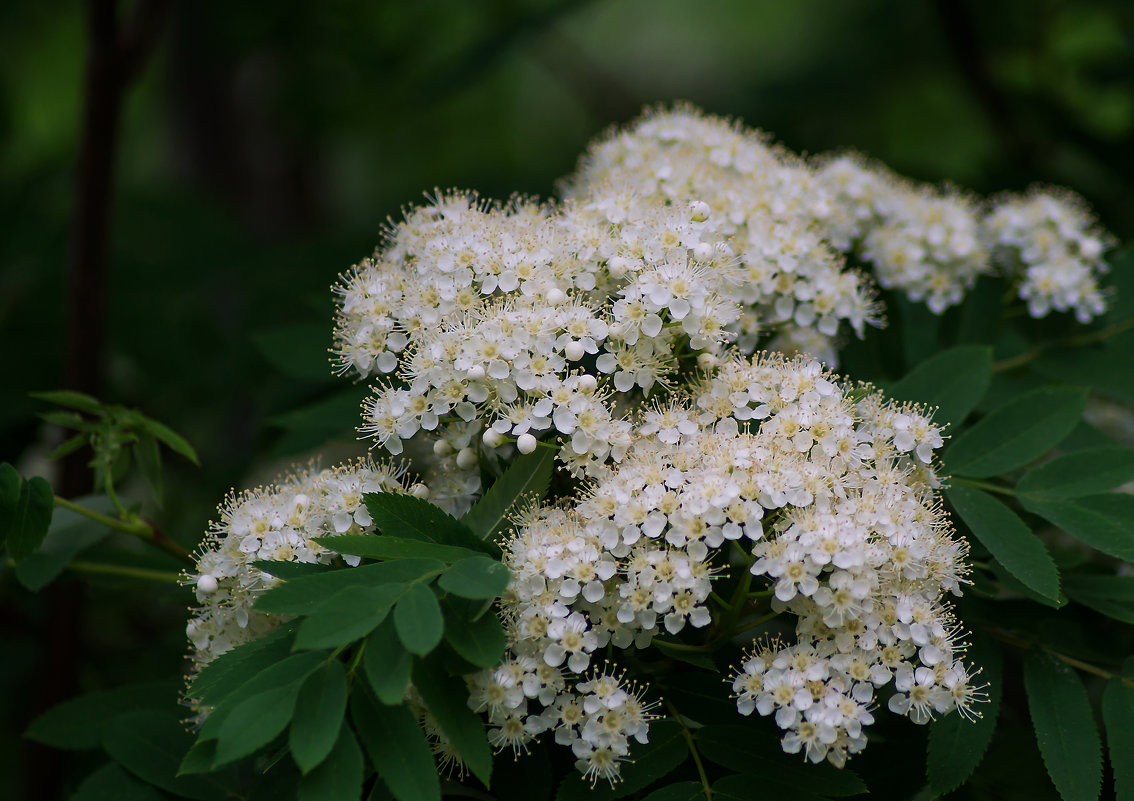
point(787, 221)
point(276, 523)
point(833, 489)
point(922, 240)
point(596, 718)
point(758, 207)
point(1051, 242)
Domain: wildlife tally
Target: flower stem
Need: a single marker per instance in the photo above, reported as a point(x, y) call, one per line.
point(1089, 338)
point(706, 788)
point(135, 528)
point(126, 571)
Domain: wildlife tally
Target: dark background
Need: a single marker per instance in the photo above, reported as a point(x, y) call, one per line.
point(261, 147)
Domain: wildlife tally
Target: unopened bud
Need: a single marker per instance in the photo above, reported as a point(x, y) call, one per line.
point(207, 584)
point(525, 443)
point(466, 459)
point(419, 491)
point(442, 448)
point(699, 210)
point(573, 351)
point(492, 438)
point(707, 361)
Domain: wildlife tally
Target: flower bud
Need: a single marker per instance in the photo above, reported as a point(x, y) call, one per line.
point(702, 251)
point(555, 296)
point(442, 448)
point(573, 351)
point(475, 373)
point(207, 584)
point(419, 491)
point(492, 438)
point(707, 361)
point(699, 210)
point(525, 443)
point(587, 383)
point(466, 459)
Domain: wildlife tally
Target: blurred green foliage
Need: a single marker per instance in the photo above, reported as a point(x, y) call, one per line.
point(265, 145)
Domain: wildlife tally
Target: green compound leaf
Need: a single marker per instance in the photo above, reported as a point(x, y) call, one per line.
point(478, 577)
point(233, 668)
point(481, 641)
point(112, 783)
point(664, 753)
point(387, 664)
point(447, 699)
point(1007, 538)
point(1113, 596)
point(397, 748)
point(1104, 521)
point(319, 712)
point(1065, 728)
point(957, 745)
point(418, 620)
point(750, 750)
point(348, 615)
point(1018, 432)
point(255, 722)
point(151, 744)
point(401, 515)
point(69, 534)
point(526, 480)
point(1085, 472)
point(387, 547)
point(32, 517)
point(1118, 717)
point(303, 595)
point(953, 380)
point(339, 777)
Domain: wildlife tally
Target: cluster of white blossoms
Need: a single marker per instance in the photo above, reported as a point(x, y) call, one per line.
point(788, 222)
point(827, 490)
point(1051, 241)
point(277, 523)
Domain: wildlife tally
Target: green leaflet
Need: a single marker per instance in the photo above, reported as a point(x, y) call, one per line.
point(682, 791)
point(390, 547)
point(953, 380)
point(481, 641)
point(319, 712)
point(288, 673)
point(1113, 596)
point(1084, 472)
point(232, 668)
point(1016, 433)
point(397, 748)
point(405, 516)
point(254, 722)
point(348, 615)
point(1007, 538)
point(339, 777)
point(303, 595)
point(447, 699)
point(69, 534)
point(526, 480)
point(387, 664)
point(418, 620)
point(1118, 717)
point(956, 745)
point(112, 783)
point(78, 723)
point(1104, 521)
point(150, 744)
point(30, 518)
point(478, 577)
point(1065, 728)
point(746, 787)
